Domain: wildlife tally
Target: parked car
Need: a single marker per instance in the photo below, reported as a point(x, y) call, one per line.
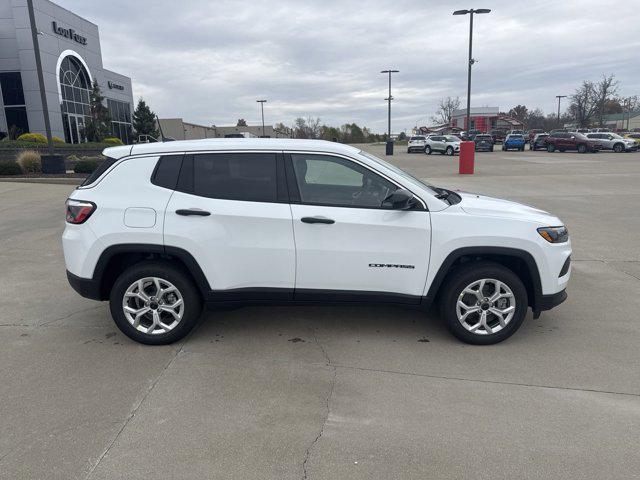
point(563, 141)
point(219, 222)
point(613, 141)
point(514, 141)
point(498, 135)
point(633, 136)
point(539, 142)
point(416, 143)
point(532, 133)
point(445, 144)
point(484, 142)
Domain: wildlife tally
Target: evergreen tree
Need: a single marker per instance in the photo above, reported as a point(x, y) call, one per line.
point(144, 120)
point(99, 125)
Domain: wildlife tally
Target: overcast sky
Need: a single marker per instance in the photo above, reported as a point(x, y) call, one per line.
point(207, 61)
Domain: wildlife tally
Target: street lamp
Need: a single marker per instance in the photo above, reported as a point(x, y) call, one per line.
point(262, 102)
point(471, 60)
point(389, 98)
point(559, 97)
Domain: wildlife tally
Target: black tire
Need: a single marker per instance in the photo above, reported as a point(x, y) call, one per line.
point(427, 150)
point(492, 148)
point(561, 150)
point(522, 148)
point(408, 150)
point(462, 277)
point(504, 149)
point(449, 151)
point(618, 148)
point(181, 280)
point(582, 148)
point(551, 148)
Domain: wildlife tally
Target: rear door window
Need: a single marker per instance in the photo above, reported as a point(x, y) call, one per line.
point(236, 176)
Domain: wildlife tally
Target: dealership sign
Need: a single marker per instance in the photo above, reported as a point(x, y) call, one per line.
point(69, 33)
point(114, 85)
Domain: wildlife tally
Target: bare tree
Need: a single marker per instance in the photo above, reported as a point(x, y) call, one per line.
point(605, 90)
point(307, 127)
point(584, 104)
point(519, 112)
point(445, 110)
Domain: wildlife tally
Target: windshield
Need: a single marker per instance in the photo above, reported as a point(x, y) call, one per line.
point(395, 169)
point(417, 138)
point(615, 135)
point(451, 138)
point(483, 137)
point(515, 137)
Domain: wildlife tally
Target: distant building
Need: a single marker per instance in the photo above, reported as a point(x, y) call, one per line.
point(623, 121)
point(484, 119)
point(178, 129)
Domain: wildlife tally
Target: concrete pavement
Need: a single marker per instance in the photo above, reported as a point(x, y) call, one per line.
point(334, 392)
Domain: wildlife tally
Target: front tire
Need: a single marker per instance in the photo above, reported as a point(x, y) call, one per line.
point(582, 149)
point(155, 303)
point(449, 151)
point(618, 148)
point(483, 303)
point(427, 150)
point(551, 148)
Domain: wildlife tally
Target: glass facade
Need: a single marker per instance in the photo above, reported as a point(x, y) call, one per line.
point(120, 113)
point(14, 106)
point(76, 88)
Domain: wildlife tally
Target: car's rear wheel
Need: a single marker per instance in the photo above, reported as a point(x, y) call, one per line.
point(618, 148)
point(427, 150)
point(483, 303)
point(582, 148)
point(155, 303)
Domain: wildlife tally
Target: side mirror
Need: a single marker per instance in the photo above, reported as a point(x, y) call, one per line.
point(401, 199)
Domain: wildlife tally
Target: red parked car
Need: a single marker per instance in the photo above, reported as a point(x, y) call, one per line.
point(571, 141)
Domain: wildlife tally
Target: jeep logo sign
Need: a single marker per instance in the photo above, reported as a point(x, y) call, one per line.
point(113, 85)
point(69, 33)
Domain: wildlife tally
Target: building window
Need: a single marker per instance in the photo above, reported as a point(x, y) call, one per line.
point(75, 87)
point(120, 113)
point(15, 109)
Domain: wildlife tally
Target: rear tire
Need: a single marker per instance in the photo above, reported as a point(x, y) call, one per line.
point(137, 287)
point(470, 328)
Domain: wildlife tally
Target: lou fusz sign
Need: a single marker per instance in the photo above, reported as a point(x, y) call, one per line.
point(69, 33)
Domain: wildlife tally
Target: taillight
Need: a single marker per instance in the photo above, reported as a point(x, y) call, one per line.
point(78, 211)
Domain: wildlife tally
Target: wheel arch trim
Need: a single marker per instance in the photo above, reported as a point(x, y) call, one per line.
point(526, 257)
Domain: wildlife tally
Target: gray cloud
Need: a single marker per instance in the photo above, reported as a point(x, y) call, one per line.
point(208, 61)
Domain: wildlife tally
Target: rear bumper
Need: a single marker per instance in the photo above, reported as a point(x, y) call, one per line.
point(87, 287)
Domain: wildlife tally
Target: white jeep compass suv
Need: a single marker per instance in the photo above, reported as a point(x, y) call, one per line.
point(161, 228)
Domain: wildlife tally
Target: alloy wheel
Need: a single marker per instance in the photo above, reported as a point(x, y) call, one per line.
point(153, 305)
point(485, 306)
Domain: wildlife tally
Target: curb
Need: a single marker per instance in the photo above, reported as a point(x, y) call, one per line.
point(49, 181)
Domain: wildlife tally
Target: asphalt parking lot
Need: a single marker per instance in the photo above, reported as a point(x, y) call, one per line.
point(334, 392)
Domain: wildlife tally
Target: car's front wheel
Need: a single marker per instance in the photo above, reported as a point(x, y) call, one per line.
point(155, 303)
point(582, 149)
point(427, 150)
point(618, 148)
point(483, 303)
point(551, 148)
point(449, 151)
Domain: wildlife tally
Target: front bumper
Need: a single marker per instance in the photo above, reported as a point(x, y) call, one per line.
point(547, 302)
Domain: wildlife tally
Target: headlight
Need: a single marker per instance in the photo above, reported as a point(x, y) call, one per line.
point(554, 234)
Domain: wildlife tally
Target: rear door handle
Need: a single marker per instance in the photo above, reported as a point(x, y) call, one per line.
point(193, 211)
point(327, 221)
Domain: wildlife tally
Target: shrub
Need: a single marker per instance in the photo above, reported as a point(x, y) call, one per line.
point(38, 138)
point(29, 161)
point(10, 168)
point(113, 141)
point(85, 166)
point(32, 137)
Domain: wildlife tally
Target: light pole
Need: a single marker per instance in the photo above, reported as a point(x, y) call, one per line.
point(471, 60)
point(262, 102)
point(559, 97)
point(389, 98)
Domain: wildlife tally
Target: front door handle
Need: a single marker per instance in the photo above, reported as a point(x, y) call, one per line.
point(193, 211)
point(327, 221)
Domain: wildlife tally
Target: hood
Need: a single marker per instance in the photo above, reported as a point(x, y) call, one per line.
point(475, 204)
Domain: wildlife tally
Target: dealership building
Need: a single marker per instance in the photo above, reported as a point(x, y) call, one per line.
point(71, 61)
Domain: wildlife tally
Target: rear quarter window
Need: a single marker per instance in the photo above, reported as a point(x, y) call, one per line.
point(167, 171)
point(97, 173)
